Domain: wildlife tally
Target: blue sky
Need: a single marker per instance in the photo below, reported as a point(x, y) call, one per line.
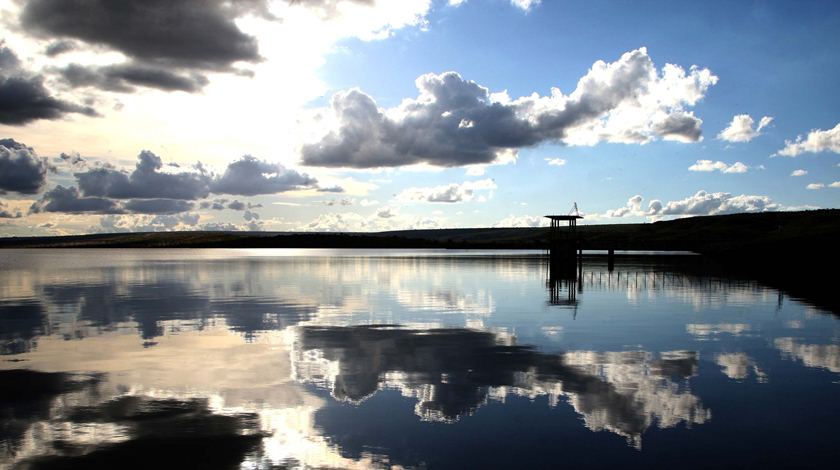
point(313, 169)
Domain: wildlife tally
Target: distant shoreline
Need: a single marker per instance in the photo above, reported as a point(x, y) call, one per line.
point(776, 234)
point(778, 240)
point(793, 250)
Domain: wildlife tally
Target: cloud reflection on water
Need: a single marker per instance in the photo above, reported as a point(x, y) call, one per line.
point(258, 342)
point(737, 366)
point(210, 375)
point(825, 356)
point(130, 430)
point(452, 372)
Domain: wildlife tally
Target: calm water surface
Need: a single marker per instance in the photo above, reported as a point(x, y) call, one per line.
point(429, 359)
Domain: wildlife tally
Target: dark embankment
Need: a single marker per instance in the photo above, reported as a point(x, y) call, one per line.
point(790, 248)
point(787, 236)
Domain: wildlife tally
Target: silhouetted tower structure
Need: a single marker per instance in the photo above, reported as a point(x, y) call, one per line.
point(563, 248)
point(564, 240)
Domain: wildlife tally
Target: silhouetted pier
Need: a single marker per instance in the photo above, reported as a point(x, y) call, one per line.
point(564, 242)
point(564, 257)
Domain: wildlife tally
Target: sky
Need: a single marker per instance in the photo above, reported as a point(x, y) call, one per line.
point(372, 115)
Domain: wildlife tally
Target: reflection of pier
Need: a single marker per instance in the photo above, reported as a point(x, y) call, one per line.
point(567, 281)
point(597, 278)
point(563, 276)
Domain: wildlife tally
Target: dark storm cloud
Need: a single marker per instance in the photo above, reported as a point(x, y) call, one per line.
point(5, 212)
point(186, 33)
point(21, 170)
point(68, 200)
point(124, 78)
point(145, 182)
point(24, 98)
point(683, 127)
point(61, 199)
point(73, 160)
point(432, 131)
point(57, 48)
point(455, 122)
point(246, 176)
point(237, 206)
point(215, 204)
point(249, 176)
point(331, 189)
point(13, 144)
point(8, 59)
point(145, 190)
point(158, 206)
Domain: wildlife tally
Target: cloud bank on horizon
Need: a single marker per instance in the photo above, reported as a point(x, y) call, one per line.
point(322, 91)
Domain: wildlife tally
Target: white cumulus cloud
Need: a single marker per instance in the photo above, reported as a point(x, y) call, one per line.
point(454, 192)
point(741, 128)
point(705, 203)
point(709, 166)
point(632, 208)
point(701, 203)
point(817, 141)
point(525, 5)
point(147, 223)
point(386, 213)
point(522, 221)
point(457, 122)
point(799, 172)
point(354, 222)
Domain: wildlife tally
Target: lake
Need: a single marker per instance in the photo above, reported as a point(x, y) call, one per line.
point(406, 358)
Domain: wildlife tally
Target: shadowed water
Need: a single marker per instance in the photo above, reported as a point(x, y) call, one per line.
point(437, 359)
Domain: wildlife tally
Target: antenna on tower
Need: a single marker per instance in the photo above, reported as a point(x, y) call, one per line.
point(575, 210)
